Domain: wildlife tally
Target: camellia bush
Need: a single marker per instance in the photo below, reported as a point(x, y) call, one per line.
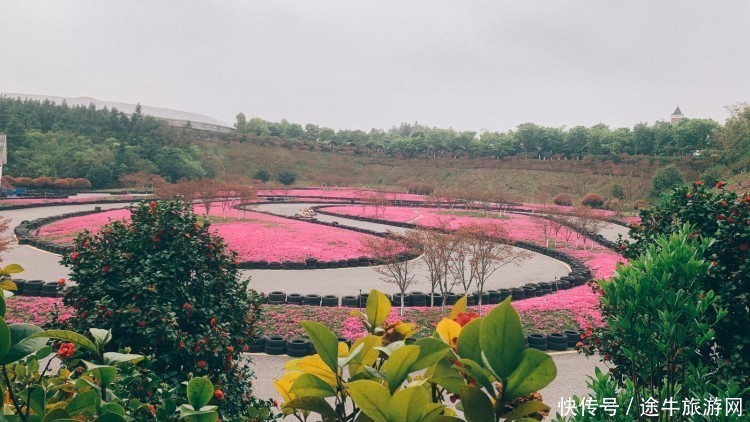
point(480, 364)
point(169, 289)
point(724, 216)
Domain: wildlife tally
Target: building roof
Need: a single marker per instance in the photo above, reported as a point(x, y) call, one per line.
point(158, 112)
point(677, 112)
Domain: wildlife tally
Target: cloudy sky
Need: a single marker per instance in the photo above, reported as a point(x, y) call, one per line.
point(470, 65)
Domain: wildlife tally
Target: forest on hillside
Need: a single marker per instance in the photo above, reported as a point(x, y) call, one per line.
point(101, 145)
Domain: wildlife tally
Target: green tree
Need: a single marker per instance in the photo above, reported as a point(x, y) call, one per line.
point(286, 178)
point(262, 175)
point(666, 179)
point(735, 139)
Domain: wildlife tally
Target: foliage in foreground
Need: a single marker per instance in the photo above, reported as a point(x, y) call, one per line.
point(725, 217)
point(480, 363)
point(168, 288)
point(658, 319)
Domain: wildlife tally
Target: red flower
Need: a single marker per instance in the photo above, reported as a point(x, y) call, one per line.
point(151, 409)
point(66, 350)
point(187, 307)
point(607, 357)
point(579, 344)
point(275, 403)
point(688, 196)
point(180, 345)
point(464, 318)
point(246, 348)
point(720, 184)
point(219, 395)
point(201, 364)
point(152, 204)
point(623, 247)
point(699, 183)
point(105, 269)
point(154, 239)
point(142, 323)
point(745, 247)
point(720, 217)
point(213, 321)
point(230, 349)
point(74, 255)
point(61, 281)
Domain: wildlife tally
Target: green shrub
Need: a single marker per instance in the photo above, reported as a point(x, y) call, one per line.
point(286, 178)
point(168, 288)
point(617, 192)
point(724, 216)
point(262, 175)
point(666, 179)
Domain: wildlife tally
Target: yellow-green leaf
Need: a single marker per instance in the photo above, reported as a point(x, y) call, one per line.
point(477, 406)
point(313, 404)
point(501, 339)
point(408, 404)
point(70, 336)
point(536, 370)
point(13, 269)
point(8, 285)
point(308, 385)
point(371, 397)
point(431, 350)
point(367, 356)
point(396, 368)
point(448, 330)
point(458, 308)
point(527, 408)
point(378, 308)
point(468, 341)
point(325, 342)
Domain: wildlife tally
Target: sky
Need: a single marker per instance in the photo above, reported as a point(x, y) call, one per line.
point(470, 65)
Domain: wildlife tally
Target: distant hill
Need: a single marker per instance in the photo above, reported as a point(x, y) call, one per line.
point(171, 117)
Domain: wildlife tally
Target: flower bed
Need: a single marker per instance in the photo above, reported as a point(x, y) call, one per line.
point(341, 193)
point(34, 310)
point(255, 236)
point(66, 201)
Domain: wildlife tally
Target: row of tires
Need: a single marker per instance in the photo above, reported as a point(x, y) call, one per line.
point(555, 341)
point(421, 299)
point(37, 288)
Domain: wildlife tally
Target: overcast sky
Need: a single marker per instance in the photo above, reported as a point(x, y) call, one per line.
point(469, 65)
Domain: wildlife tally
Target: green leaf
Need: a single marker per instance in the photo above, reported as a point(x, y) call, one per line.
point(70, 336)
point(309, 385)
point(12, 269)
point(105, 374)
point(101, 337)
point(448, 377)
point(312, 404)
point(501, 339)
point(477, 406)
point(527, 408)
point(84, 403)
point(536, 370)
point(468, 341)
point(20, 344)
point(408, 405)
point(114, 408)
point(371, 397)
point(2, 304)
point(431, 350)
point(111, 417)
point(38, 401)
point(8, 285)
point(4, 338)
point(352, 354)
point(199, 392)
point(378, 308)
point(396, 368)
point(113, 358)
point(479, 374)
point(325, 342)
point(57, 415)
point(192, 415)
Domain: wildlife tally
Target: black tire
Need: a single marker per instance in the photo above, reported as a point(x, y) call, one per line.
point(343, 263)
point(542, 347)
point(322, 265)
point(363, 299)
point(298, 344)
point(277, 297)
point(274, 265)
point(557, 338)
point(294, 298)
point(517, 294)
point(350, 301)
point(330, 300)
point(275, 341)
point(287, 265)
point(311, 299)
point(573, 337)
point(262, 265)
point(254, 348)
point(275, 351)
point(333, 264)
point(353, 262)
point(258, 341)
point(299, 266)
point(529, 292)
point(451, 299)
point(559, 347)
point(397, 299)
point(538, 339)
point(297, 353)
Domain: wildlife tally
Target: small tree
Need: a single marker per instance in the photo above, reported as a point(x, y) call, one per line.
point(80, 184)
point(61, 184)
point(43, 182)
point(563, 199)
point(617, 192)
point(666, 179)
point(286, 178)
point(593, 200)
point(394, 253)
point(262, 175)
point(438, 246)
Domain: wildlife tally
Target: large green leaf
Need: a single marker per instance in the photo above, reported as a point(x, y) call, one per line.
point(501, 339)
point(378, 308)
point(2, 304)
point(113, 358)
point(105, 374)
point(20, 344)
point(410, 405)
point(4, 338)
point(397, 367)
point(478, 373)
point(527, 408)
point(468, 341)
point(83, 404)
point(326, 343)
point(57, 415)
point(310, 385)
point(70, 336)
point(448, 377)
point(367, 356)
point(37, 400)
point(199, 392)
point(431, 350)
point(371, 397)
point(477, 406)
point(101, 336)
point(536, 370)
point(192, 415)
point(313, 404)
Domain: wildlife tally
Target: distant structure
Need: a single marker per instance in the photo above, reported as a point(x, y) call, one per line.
point(170, 117)
point(676, 116)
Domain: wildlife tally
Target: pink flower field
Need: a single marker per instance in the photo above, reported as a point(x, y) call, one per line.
point(255, 236)
point(66, 201)
point(340, 193)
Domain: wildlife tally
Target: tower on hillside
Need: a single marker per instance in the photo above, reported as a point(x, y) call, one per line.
point(676, 116)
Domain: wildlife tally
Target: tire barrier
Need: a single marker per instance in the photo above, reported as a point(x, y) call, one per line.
point(38, 288)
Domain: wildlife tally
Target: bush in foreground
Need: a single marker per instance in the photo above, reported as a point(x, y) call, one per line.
point(167, 288)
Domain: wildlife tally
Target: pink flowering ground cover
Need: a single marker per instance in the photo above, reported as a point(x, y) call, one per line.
point(341, 193)
point(34, 310)
point(255, 236)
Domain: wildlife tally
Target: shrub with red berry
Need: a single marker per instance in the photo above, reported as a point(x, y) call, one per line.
point(724, 216)
point(168, 287)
